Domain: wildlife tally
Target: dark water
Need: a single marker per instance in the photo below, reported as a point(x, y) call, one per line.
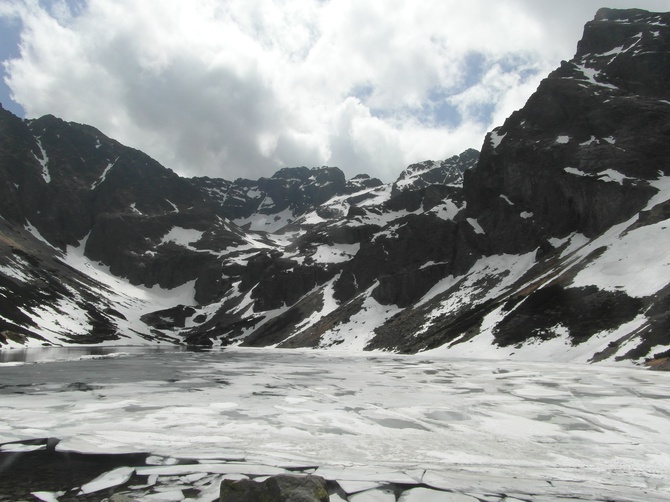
point(53, 354)
point(79, 367)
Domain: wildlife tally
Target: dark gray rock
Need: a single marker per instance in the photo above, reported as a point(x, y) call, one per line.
point(583, 311)
point(281, 488)
point(244, 490)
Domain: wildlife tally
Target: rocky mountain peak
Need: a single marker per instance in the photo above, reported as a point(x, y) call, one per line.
point(607, 14)
point(579, 155)
point(315, 174)
point(627, 49)
point(445, 172)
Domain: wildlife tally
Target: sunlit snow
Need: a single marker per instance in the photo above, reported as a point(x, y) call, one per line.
point(267, 222)
point(575, 171)
point(336, 253)
point(590, 75)
point(638, 264)
point(496, 138)
point(612, 176)
point(447, 210)
point(182, 236)
point(475, 225)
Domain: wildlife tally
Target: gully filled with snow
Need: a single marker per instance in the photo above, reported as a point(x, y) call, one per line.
point(369, 422)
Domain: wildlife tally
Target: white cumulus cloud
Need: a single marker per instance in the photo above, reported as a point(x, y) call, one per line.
point(240, 88)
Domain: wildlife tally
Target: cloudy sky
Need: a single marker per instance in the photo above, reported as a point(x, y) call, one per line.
point(240, 88)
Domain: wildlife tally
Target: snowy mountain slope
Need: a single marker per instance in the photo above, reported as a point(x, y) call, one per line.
point(53, 297)
point(554, 247)
point(445, 172)
point(154, 234)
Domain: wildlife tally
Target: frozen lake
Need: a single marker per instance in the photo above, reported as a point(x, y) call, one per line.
point(477, 427)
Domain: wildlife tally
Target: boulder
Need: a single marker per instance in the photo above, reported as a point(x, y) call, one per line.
point(281, 488)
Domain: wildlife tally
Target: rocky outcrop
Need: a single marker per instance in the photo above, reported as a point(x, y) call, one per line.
point(446, 172)
point(284, 197)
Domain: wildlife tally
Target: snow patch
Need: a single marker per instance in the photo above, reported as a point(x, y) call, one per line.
point(447, 210)
point(103, 176)
point(496, 138)
point(409, 176)
point(637, 263)
point(43, 160)
point(48, 496)
point(359, 329)
point(65, 317)
point(575, 171)
point(175, 209)
point(258, 222)
point(268, 202)
point(590, 74)
point(475, 224)
point(614, 52)
point(610, 175)
point(16, 271)
point(329, 305)
point(132, 301)
point(134, 209)
point(337, 253)
point(558, 242)
point(182, 236)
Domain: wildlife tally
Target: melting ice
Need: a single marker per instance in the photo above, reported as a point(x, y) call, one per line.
point(476, 427)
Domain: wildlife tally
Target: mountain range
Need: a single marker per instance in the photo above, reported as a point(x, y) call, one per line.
point(552, 243)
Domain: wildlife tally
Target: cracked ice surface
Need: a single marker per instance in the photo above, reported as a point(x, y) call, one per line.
point(468, 426)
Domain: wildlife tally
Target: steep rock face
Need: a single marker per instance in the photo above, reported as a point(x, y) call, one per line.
point(406, 260)
point(579, 155)
point(72, 183)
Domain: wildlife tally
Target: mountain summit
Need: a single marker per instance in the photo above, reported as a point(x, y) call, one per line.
point(550, 244)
